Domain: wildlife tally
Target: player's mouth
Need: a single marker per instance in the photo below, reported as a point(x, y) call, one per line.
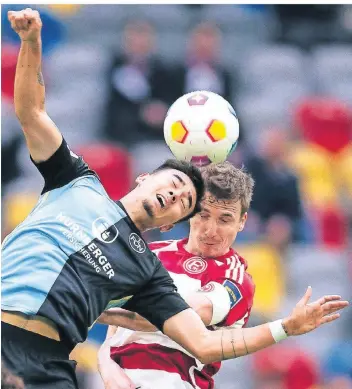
point(161, 200)
point(208, 243)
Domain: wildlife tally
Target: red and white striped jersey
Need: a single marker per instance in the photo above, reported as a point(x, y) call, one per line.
point(152, 360)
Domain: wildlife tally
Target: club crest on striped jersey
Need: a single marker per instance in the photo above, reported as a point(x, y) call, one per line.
point(208, 287)
point(195, 265)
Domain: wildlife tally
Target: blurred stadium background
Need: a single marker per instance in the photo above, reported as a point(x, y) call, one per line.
point(111, 72)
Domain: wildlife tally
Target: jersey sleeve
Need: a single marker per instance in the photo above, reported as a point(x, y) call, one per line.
point(61, 168)
point(158, 300)
point(241, 292)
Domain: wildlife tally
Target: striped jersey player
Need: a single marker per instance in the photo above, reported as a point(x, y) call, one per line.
point(151, 359)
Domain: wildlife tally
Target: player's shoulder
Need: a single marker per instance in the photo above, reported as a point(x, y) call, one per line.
point(236, 272)
point(247, 277)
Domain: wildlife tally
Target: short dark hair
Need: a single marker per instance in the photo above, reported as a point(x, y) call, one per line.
point(226, 182)
point(195, 176)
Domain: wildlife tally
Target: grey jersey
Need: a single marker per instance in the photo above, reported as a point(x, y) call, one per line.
point(78, 253)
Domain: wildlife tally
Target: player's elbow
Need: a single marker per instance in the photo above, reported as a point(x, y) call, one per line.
point(27, 116)
point(203, 349)
point(204, 358)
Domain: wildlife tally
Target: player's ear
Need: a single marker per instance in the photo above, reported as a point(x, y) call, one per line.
point(166, 227)
point(141, 178)
point(243, 221)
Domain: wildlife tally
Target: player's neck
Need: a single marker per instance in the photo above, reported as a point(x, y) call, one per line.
point(133, 209)
point(192, 249)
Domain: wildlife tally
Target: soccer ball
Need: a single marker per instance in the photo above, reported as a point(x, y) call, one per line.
point(201, 127)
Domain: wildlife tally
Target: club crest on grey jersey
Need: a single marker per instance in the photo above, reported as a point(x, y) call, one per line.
point(104, 231)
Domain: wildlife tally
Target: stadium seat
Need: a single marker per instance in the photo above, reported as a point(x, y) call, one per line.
point(326, 270)
point(164, 16)
point(240, 20)
point(332, 63)
point(341, 90)
point(81, 113)
point(113, 166)
point(74, 63)
point(108, 19)
point(147, 156)
point(259, 113)
point(232, 44)
point(325, 122)
point(9, 122)
point(264, 265)
point(265, 65)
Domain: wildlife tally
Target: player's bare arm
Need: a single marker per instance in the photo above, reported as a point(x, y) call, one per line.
point(119, 317)
point(42, 136)
point(122, 318)
point(187, 329)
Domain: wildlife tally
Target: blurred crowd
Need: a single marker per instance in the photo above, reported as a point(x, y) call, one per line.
point(287, 70)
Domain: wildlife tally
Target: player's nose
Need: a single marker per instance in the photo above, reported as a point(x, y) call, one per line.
point(210, 229)
point(173, 197)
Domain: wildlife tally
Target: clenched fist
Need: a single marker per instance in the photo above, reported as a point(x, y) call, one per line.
point(26, 23)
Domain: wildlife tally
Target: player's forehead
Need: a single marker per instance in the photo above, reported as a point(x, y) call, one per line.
point(180, 178)
point(214, 205)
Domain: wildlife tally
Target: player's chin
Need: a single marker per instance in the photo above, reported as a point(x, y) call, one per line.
point(209, 250)
point(149, 208)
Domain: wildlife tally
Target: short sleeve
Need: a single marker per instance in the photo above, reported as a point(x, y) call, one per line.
point(61, 168)
point(158, 300)
point(241, 301)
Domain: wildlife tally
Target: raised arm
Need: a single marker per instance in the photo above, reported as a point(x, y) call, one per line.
point(42, 136)
point(187, 329)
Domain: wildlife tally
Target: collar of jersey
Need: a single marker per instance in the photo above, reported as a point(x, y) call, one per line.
point(129, 220)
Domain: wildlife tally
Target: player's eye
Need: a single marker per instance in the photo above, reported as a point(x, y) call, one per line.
point(183, 204)
point(173, 182)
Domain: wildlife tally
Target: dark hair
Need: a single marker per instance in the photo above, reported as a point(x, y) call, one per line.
point(227, 182)
point(195, 176)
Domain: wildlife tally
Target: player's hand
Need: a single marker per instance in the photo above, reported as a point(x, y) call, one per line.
point(306, 317)
point(113, 376)
point(26, 23)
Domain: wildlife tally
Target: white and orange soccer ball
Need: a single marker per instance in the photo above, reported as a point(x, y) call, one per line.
point(201, 127)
